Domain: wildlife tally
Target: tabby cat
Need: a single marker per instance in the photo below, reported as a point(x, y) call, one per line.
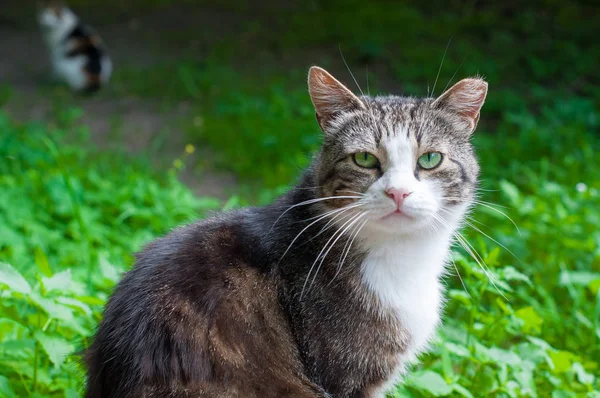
point(78, 56)
point(331, 291)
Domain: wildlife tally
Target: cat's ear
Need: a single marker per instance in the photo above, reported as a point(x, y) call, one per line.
point(465, 99)
point(54, 6)
point(330, 97)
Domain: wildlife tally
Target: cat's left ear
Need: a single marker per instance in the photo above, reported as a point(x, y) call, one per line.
point(465, 99)
point(330, 97)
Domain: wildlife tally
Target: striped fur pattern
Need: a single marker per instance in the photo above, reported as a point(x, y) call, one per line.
point(78, 55)
point(331, 291)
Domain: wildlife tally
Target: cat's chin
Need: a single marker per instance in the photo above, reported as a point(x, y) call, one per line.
point(397, 223)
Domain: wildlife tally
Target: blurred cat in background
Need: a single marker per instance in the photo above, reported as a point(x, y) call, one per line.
point(78, 56)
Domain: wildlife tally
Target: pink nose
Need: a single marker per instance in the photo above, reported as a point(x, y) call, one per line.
point(397, 195)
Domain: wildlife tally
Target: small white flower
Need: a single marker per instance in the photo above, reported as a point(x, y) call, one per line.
point(581, 187)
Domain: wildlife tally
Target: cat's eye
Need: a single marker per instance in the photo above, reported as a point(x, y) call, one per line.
point(430, 160)
point(366, 160)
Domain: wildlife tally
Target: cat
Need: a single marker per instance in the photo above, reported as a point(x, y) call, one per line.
point(77, 53)
point(331, 291)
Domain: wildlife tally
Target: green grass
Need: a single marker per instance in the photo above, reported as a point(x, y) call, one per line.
point(70, 221)
point(71, 217)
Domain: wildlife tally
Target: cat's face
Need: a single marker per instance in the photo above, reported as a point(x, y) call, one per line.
point(401, 164)
point(52, 14)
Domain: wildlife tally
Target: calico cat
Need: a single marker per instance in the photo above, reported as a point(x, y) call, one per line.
point(78, 56)
point(331, 291)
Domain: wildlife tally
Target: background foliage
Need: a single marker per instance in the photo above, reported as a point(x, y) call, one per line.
point(525, 319)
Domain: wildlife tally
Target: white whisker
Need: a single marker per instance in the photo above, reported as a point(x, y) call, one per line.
point(329, 212)
point(336, 235)
point(355, 220)
point(493, 240)
point(440, 68)
point(473, 253)
point(500, 212)
point(347, 248)
point(351, 74)
point(452, 78)
point(311, 201)
point(357, 193)
point(490, 206)
point(331, 223)
point(460, 278)
point(343, 209)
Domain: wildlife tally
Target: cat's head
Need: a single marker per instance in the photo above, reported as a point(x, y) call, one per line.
point(54, 15)
point(407, 164)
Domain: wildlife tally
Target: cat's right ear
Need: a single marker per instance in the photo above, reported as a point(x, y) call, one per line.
point(330, 97)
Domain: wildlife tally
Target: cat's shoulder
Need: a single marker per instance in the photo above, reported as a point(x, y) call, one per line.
point(191, 257)
point(193, 299)
point(186, 276)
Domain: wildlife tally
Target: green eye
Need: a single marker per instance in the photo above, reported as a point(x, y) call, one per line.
point(430, 160)
point(366, 160)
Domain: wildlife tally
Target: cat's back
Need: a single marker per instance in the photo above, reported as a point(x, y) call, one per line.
point(200, 260)
point(210, 251)
point(198, 307)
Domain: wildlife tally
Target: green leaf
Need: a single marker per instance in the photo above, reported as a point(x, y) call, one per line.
point(108, 270)
point(539, 343)
point(71, 302)
point(491, 260)
point(532, 322)
point(5, 389)
point(42, 261)
point(460, 295)
point(504, 356)
point(594, 287)
point(53, 309)
point(400, 392)
point(232, 203)
point(13, 279)
point(511, 274)
point(578, 278)
point(91, 300)
point(562, 361)
point(563, 394)
point(447, 364)
point(511, 191)
point(458, 350)
point(71, 393)
point(583, 377)
point(462, 391)
point(524, 375)
point(431, 382)
point(56, 348)
point(20, 349)
point(10, 323)
point(60, 281)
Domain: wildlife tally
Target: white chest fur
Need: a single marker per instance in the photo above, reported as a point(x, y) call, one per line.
point(405, 276)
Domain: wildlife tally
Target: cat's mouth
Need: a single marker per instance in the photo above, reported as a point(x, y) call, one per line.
point(396, 214)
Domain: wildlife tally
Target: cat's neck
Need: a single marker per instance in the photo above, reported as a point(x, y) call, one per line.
point(426, 247)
